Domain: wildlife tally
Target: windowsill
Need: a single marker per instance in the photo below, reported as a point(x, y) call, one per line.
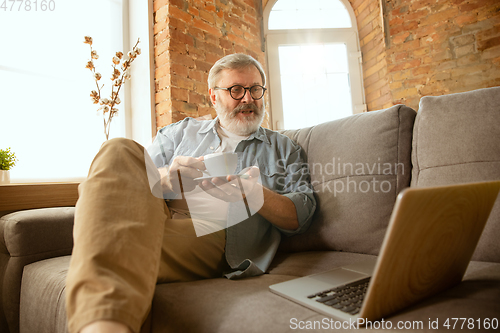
point(37, 195)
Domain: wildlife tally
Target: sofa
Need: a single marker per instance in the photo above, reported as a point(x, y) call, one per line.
point(358, 166)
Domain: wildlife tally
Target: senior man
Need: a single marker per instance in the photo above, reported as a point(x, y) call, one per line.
point(128, 238)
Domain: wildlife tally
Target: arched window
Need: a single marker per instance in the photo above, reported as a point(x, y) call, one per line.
point(314, 62)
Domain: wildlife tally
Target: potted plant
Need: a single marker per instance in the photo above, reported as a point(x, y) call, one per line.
point(7, 161)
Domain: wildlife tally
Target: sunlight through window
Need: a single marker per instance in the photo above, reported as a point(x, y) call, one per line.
point(314, 62)
point(314, 78)
point(47, 116)
point(311, 14)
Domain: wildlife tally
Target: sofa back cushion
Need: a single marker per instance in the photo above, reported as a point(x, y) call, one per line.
point(456, 139)
point(358, 166)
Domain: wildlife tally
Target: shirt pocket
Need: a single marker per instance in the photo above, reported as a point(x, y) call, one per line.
point(273, 177)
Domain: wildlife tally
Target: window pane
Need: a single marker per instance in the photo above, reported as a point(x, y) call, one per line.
point(308, 18)
point(334, 18)
point(311, 14)
point(329, 4)
point(285, 5)
point(52, 125)
point(283, 20)
point(314, 82)
point(309, 4)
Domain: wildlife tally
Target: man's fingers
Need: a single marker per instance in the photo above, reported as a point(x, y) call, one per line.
point(219, 181)
point(189, 167)
point(253, 171)
point(247, 173)
point(189, 162)
point(221, 189)
point(187, 172)
point(213, 190)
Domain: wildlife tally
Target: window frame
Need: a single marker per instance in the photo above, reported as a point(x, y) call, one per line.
point(277, 37)
point(140, 125)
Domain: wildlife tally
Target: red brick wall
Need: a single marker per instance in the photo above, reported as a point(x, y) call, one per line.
point(441, 47)
point(411, 48)
point(371, 38)
point(415, 48)
point(190, 36)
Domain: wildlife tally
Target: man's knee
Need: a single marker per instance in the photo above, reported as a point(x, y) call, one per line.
point(121, 143)
point(122, 148)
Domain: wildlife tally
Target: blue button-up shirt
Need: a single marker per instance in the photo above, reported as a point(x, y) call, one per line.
point(252, 243)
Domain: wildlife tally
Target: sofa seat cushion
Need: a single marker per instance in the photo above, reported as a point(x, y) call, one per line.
point(247, 305)
point(312, 262)
point(220, 305)
point(43, 303)
point(456, 139)
point(358, 166)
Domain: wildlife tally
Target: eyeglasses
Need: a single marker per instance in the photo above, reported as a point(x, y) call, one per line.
point(237, 92)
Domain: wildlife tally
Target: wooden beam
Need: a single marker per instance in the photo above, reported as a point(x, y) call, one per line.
point(42, 195)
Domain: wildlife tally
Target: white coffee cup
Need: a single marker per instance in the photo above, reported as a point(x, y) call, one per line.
point(221, 164)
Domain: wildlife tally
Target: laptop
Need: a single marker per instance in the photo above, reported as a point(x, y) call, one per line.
point(429, 242)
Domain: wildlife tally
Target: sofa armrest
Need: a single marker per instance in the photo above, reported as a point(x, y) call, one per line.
point(26, 237)
point(37, 231)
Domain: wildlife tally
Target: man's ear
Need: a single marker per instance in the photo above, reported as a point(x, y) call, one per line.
point(213, 97)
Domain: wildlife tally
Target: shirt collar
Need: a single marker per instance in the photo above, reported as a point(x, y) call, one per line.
point(259, 134)
point(210, 126)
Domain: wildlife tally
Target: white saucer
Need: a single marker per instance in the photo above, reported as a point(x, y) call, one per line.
point(210, 177)
point(244, 176)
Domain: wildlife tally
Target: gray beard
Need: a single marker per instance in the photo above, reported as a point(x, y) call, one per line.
point(229, 121)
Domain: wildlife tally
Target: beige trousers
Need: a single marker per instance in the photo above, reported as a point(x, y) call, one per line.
point(126, 242)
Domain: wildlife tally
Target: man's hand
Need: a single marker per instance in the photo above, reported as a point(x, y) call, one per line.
point(276, 208)
point(187, 168)
point(234, 187)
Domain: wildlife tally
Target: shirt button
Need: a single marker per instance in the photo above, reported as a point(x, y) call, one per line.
point(212, 148)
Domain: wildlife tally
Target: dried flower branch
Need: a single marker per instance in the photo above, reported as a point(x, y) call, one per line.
point(118, 77)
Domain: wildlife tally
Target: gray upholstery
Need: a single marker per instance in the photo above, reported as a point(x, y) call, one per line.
point(221, 305)
point(249, 306)
point(27, 237)
point(455, 139)
point(358, 166)
point(44, 283)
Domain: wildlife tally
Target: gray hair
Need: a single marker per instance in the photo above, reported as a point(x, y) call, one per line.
point(233, 61)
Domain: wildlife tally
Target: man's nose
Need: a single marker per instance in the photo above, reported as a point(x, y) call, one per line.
point(247, 98)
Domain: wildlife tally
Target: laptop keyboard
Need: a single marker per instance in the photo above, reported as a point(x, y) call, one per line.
point(347, 298)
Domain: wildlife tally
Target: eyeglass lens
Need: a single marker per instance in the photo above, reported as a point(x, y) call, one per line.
point(238, 92)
